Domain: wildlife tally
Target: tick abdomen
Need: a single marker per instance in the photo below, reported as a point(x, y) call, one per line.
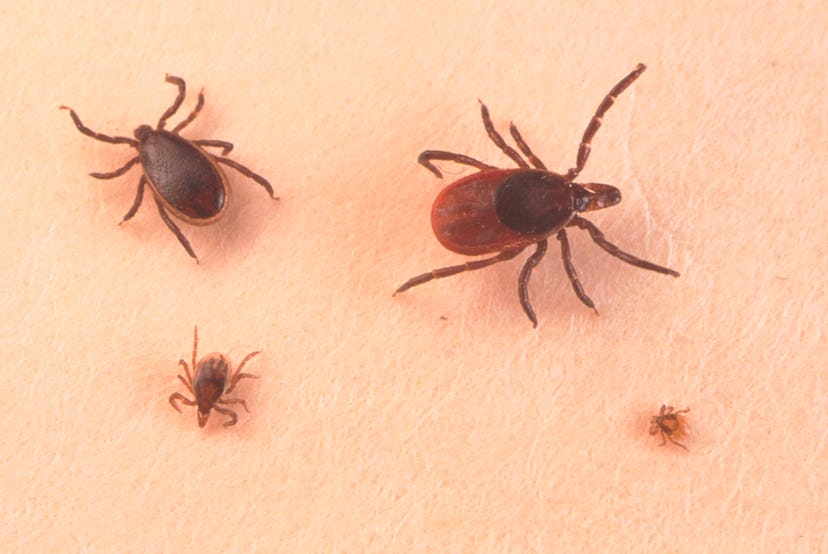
point(210, 379)
point(183, 175)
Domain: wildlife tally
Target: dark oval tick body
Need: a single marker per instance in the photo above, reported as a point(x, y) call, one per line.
point(504, 211)
point(183, 175)
point(208, 383)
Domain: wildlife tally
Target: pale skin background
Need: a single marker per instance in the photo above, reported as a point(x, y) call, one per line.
point(437, 420)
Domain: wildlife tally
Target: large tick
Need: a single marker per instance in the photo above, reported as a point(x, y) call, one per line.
point(184, 178)
point(668, 423)
point(507, 210)
point(212, 378)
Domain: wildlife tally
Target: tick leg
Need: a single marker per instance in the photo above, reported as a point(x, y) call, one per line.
point(225, 146)
point(236, 377)
point(229, 413)
point(177, 232)
point(455, 269)
point(234, 401)
point(497, 139)
point(188, 385)
point(178, 396)
point(425, 158)
point(676, 443)
point(139, 197)
point(182, 91)
point(118, 172)
point(566, 254)
point(599, 239)
point(195, 346)
point(189, 381)
point(246, 359)
point(525, 147)
point(98, 136)
point(193, 114)
point(595, 122)
point(248, 173)
point(523, 280)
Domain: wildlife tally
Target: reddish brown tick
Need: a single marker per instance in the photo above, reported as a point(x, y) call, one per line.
point(507, 210)
point(184, 178)
point(668, 423)
point(212, 379)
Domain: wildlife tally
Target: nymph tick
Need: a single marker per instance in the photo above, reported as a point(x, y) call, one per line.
point(212, 379)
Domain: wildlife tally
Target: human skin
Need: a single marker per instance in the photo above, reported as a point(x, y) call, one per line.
point(438, 420)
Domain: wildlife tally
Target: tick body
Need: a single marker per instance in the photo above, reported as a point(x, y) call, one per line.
point(668, 423)
point(184, 178)
point(504, 211)
point(212, 378)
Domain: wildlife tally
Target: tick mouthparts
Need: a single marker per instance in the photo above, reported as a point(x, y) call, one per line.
point(595, 196)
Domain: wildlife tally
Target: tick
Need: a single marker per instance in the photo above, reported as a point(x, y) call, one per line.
point(212, 378)
point(668, 423)
point(507, 210)
point(186, 180)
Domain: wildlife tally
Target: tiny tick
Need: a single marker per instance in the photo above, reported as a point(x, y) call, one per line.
point(668, 423)
point(184, 178)
point(210, 383)
point(507, 210)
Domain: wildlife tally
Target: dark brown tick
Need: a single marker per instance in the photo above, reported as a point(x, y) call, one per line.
point(184, 178)
point(507, 210)
point(668, 423)
point(210, 383)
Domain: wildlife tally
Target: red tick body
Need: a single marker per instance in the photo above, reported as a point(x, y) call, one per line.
point(500, 209)
point(464, 218)
point(507, 210)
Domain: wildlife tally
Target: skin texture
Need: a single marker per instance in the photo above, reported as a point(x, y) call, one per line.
point(437, 421)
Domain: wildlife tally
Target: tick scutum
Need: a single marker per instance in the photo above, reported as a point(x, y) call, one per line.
point(534, 202)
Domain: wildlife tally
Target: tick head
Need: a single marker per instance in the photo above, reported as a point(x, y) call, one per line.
point(202, 417)
point(142, 132)
point(594, 196)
